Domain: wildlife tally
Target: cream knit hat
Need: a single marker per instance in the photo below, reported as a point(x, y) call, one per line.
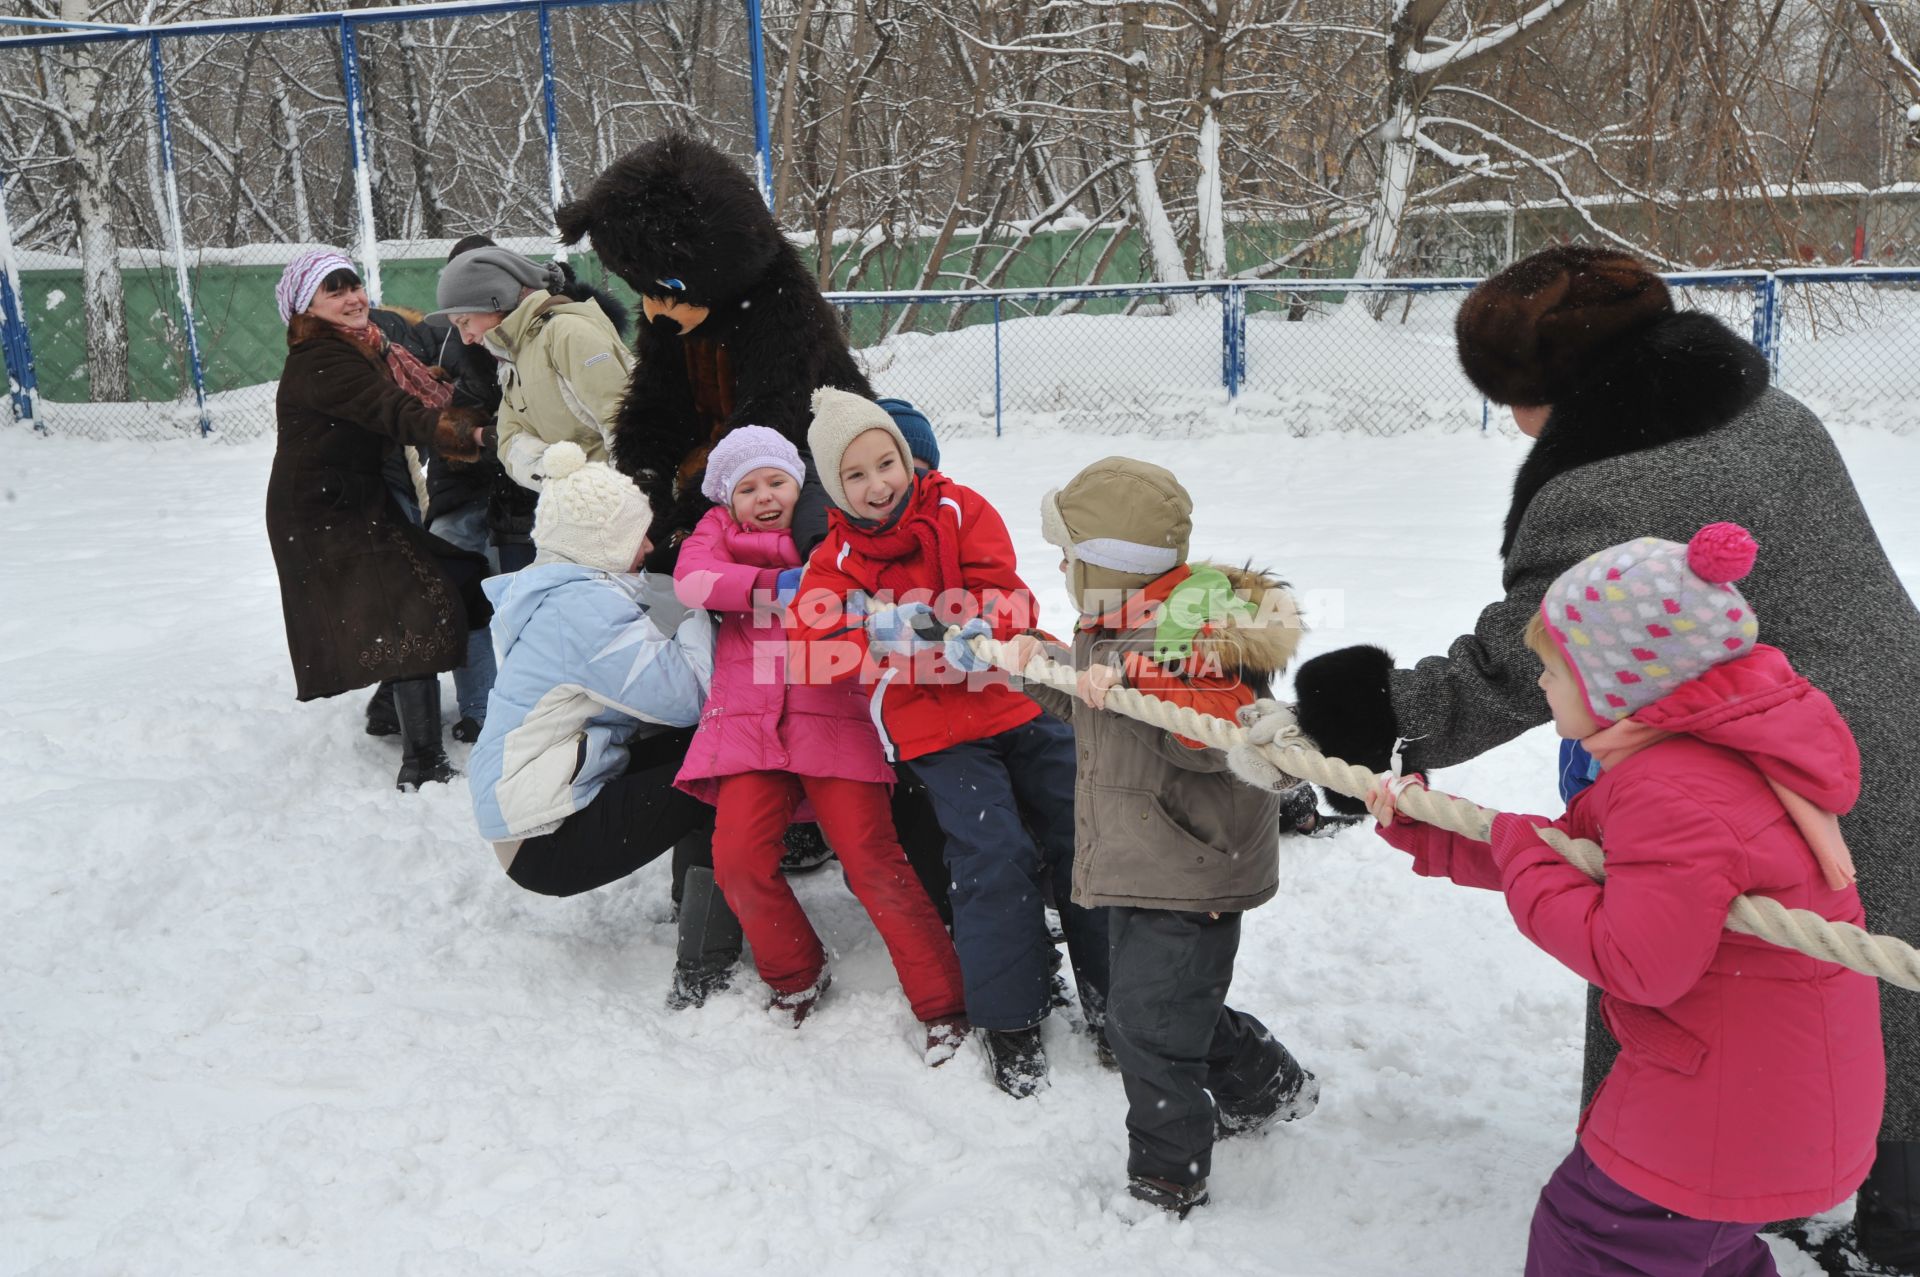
point(840, 417)
point(589, 513)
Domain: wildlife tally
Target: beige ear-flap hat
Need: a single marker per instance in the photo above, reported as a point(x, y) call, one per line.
point(1122, 524)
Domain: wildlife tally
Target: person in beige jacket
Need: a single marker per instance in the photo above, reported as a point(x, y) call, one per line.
point(563, 364)
point(1166, 837)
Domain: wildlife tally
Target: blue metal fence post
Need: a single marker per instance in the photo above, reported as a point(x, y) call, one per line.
point(762, 129)
point(1229, 344)
point(553, 127)
point(1770, 308)
point(178, 236)
point(362, 161)
point(16, 346)
point(996, 367)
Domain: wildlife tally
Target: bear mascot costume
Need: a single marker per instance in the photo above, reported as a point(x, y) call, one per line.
point(736, 332)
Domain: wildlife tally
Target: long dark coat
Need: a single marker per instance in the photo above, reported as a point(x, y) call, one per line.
point(1678, 430)
point(364, 592)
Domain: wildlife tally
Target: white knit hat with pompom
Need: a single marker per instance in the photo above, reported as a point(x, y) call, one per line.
point(589, 513)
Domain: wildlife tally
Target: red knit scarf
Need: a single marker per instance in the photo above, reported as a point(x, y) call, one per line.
point(408, 373)
point(917, 529)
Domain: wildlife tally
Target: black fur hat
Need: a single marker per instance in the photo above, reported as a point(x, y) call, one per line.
point(1531, 334)
point(677, 210)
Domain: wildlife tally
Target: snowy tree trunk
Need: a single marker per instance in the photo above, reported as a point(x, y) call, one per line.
point(296, 163)
point(102, 293)
point(1398, 154)
point(1159, 246)
point(433, 216)
point(1212, 205)
point(1209, 198)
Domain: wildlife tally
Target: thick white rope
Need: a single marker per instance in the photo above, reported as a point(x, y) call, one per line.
point(1280, 742)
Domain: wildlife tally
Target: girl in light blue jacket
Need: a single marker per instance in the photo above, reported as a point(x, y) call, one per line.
point(602, 673)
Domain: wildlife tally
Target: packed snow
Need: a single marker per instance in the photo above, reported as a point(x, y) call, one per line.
point(263, 1014)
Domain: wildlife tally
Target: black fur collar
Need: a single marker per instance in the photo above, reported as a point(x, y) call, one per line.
point(1681, 377)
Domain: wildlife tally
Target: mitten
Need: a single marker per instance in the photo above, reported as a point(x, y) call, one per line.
point(894, 632)
point(786, 584)
point(1264, 720)
point(1512, 834)
point(960, 653)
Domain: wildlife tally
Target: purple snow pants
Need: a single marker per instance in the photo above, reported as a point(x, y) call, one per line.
point(1588, 1226)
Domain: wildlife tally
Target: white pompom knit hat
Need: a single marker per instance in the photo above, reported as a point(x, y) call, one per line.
point(589, 513)
point(1637, 620)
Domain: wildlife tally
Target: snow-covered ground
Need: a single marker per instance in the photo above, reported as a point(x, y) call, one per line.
point(263, 1014)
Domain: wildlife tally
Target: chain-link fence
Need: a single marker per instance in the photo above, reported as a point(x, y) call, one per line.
point(1306, 357)
point(154, 183)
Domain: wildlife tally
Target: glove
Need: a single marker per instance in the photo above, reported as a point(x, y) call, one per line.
point(1264, 720)
point(896, 632)
point(785, 584)
point(960, 653)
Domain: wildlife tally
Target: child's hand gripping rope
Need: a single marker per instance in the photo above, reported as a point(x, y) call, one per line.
point(1267, 737)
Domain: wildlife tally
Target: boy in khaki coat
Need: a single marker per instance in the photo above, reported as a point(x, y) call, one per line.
point(1166, 837)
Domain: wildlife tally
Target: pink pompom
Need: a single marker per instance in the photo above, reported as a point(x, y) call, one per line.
point(1721, 553)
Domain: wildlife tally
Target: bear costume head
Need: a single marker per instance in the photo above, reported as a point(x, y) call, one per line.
point(680, 222)
point(737, 332)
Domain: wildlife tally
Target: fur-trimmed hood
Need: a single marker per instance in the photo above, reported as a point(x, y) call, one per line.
point(1258, 641)
point(1266, 642)
point(677, 208)
point(1682, 376)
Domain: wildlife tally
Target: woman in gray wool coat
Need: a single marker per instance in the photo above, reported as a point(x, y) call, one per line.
point(1650, 422)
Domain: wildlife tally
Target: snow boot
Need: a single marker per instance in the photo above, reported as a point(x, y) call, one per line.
point(793, 1008)
point(806, 850)
point(945, 1035)
point(1016, 1060)
point(1175, 1199)
point(1292, 1093)
point(1059, 992)
point(423, 760)
point(1300, 814)
point(381, 720)
point(1887, 1222)
point(1093, 1006)
point(467, 730)
point(709, 943)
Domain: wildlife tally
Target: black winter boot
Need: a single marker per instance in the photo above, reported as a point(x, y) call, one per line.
point(807, 850)
point(1887, 1223)
point(1292, 1093)
point(709, 941)
point(1016, 1060)
point(416, 701)
point(1175, 1199)
point(381, 720)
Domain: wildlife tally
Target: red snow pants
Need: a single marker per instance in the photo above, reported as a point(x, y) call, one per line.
point(750, 826)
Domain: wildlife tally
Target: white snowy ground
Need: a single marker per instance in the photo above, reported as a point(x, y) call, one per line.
point(262, 1014)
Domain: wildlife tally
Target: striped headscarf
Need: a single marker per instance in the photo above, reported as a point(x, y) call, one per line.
point(301, 279)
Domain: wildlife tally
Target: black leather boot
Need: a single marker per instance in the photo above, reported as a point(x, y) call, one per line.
point(380, 716)
point(416, 701)
point(709, 941)
point(1887, 1223)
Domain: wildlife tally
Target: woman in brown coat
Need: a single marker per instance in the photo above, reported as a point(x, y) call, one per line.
point(368, 596)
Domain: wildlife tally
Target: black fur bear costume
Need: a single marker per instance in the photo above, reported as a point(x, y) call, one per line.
point(687, 229)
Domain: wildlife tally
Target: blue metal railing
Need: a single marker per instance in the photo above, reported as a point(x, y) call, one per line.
point(1766, 288)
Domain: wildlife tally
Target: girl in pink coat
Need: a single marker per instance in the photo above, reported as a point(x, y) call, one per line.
point(766, 747)
point(1750, 1077)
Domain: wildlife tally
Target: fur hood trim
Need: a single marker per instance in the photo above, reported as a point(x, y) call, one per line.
point(1261, 644)
point(1683, 376)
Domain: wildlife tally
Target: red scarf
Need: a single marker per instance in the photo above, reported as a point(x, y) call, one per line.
point(916, 528)
point(408, 373)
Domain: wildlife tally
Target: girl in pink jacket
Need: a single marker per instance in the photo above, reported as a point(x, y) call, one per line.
point(767, 748)
point(1750, 1077)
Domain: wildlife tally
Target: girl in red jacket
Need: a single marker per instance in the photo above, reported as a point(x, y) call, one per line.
point(767, 744)
point(1750, 1077)
point(905, 557)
